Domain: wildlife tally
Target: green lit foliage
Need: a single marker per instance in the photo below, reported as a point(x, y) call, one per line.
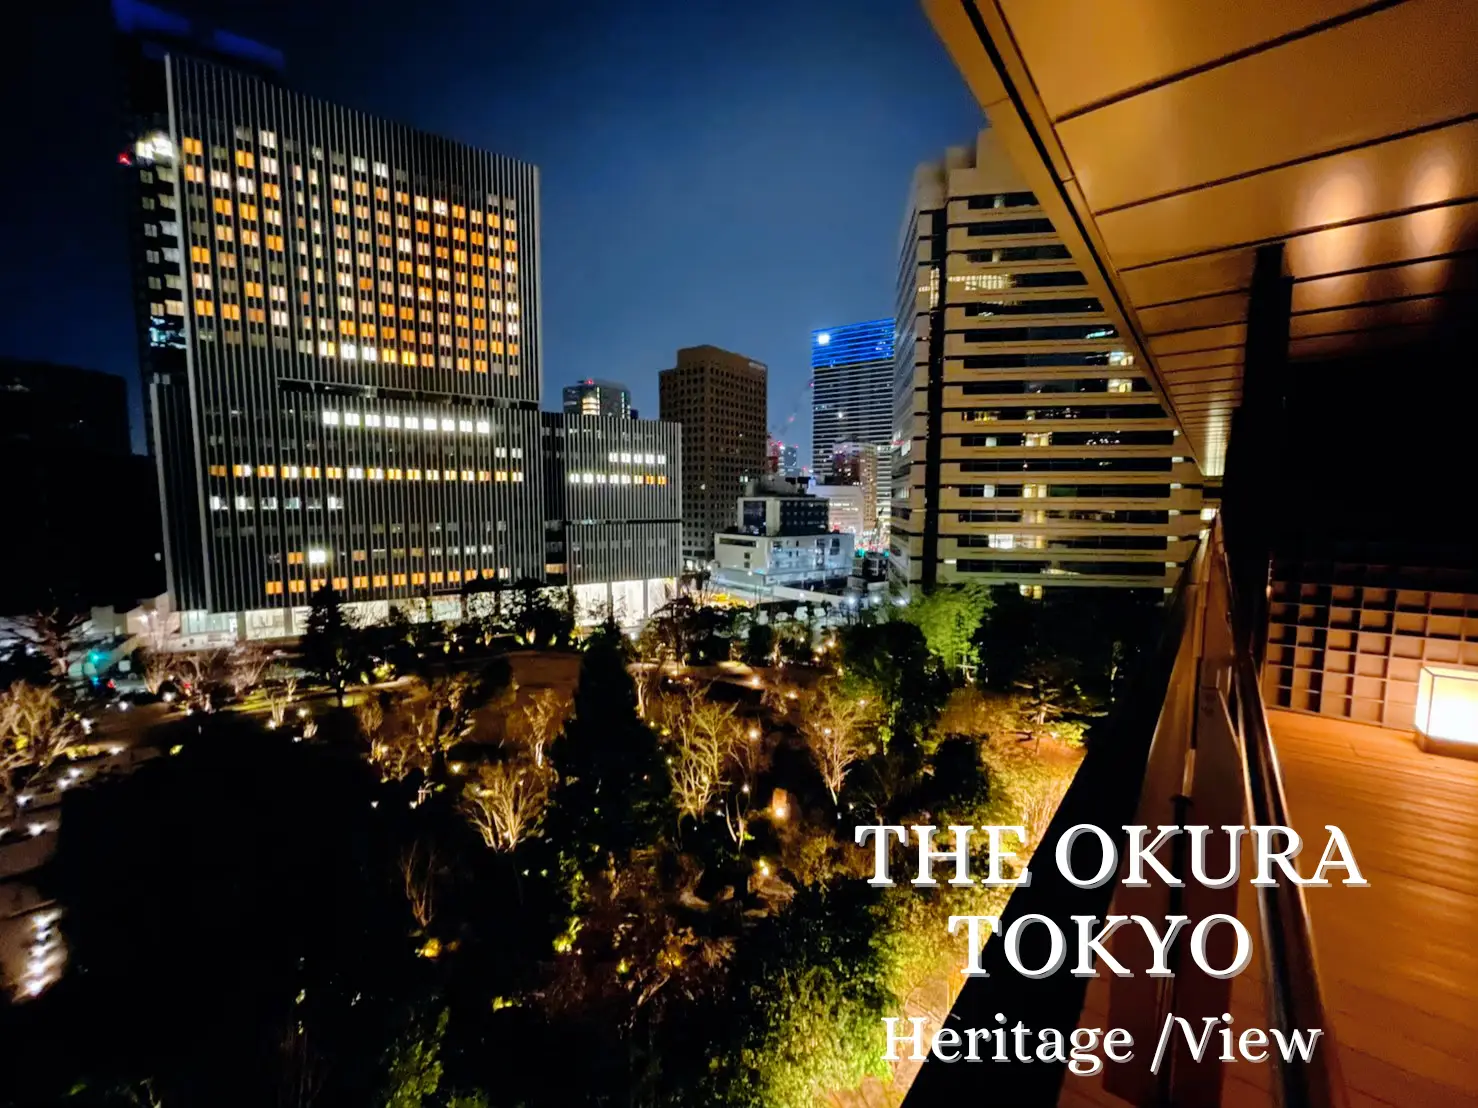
point(413, 1064)
point(949, 616)
point(890, 664)
point(807, 994)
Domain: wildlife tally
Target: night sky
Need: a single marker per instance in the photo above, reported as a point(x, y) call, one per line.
point(722, 171)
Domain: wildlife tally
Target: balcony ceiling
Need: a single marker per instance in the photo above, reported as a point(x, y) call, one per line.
point(1180, 135)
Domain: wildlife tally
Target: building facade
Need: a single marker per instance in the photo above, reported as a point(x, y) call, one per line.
point(1031, 449)
point(780, 537)
point(613, 514)
point(719, 398)
point(591, 397)
point(852, 389)
point(846, 508)
point(341, 349)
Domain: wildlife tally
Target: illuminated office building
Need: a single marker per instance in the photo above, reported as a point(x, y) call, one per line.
point(340, 326)
point(591, 397)
point(852, 389)
point(1032, 449)
point(719, 399)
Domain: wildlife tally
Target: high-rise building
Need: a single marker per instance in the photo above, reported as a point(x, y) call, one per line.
point(613, 511)
point(719, 398)
point(591, 397)
point(852, 388)
point(1032, 450)
point(790, 460)
point(341, 339)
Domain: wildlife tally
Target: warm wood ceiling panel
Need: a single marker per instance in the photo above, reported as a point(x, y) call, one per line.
point(1314, 94)
point(1429, 168)
point(1065, 40)
point(1184, 134)
point(1399, 313)
point(1232, 337)
point(1385, 283)
point(1207, 311)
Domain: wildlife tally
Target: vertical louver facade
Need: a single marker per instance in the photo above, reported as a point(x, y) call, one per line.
point(342, 354)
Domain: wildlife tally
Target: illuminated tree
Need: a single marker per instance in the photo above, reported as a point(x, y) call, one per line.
point(37, 726)
point(699, 735)
point(833, 726)
point(418, 878)
point(749, 757)
point(542, 718)
point(206, 675)
point(245, 665)
point(949, 616)
point(505, 801)
point(280, 698)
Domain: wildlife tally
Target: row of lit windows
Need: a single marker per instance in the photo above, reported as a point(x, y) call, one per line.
point(245, 159)
point(627, 458)
point(618, 479)
point(387, 580)
point(415, 423)
point(381, 473)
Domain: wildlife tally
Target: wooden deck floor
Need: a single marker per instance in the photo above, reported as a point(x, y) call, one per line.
point(1398, 960)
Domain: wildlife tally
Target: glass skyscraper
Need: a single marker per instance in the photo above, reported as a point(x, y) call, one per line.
point(852, 388)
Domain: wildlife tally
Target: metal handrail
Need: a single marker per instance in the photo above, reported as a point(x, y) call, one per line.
point(1295, 1000)
point(1107, 791)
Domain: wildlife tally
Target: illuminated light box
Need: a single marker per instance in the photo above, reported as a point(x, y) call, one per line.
point(1447, 711)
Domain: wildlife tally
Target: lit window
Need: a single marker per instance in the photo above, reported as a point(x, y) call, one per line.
point(330, 419)
point(392, 421)
point(483, 427)
point(448, 425)
point(465, 426)
point(371, 420)
point(351, 419)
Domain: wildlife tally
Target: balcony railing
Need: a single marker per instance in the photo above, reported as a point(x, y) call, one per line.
point(1188, 745)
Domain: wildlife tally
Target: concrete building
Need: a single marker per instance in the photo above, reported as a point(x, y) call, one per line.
point(719, 399)
point(591, 397)
point(852, 388)
point(1033, 449)
point(780, 537)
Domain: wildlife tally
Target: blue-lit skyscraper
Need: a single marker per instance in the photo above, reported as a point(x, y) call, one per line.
point(852, 391)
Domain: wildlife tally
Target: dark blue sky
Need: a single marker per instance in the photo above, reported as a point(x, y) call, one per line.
point(722, 171)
